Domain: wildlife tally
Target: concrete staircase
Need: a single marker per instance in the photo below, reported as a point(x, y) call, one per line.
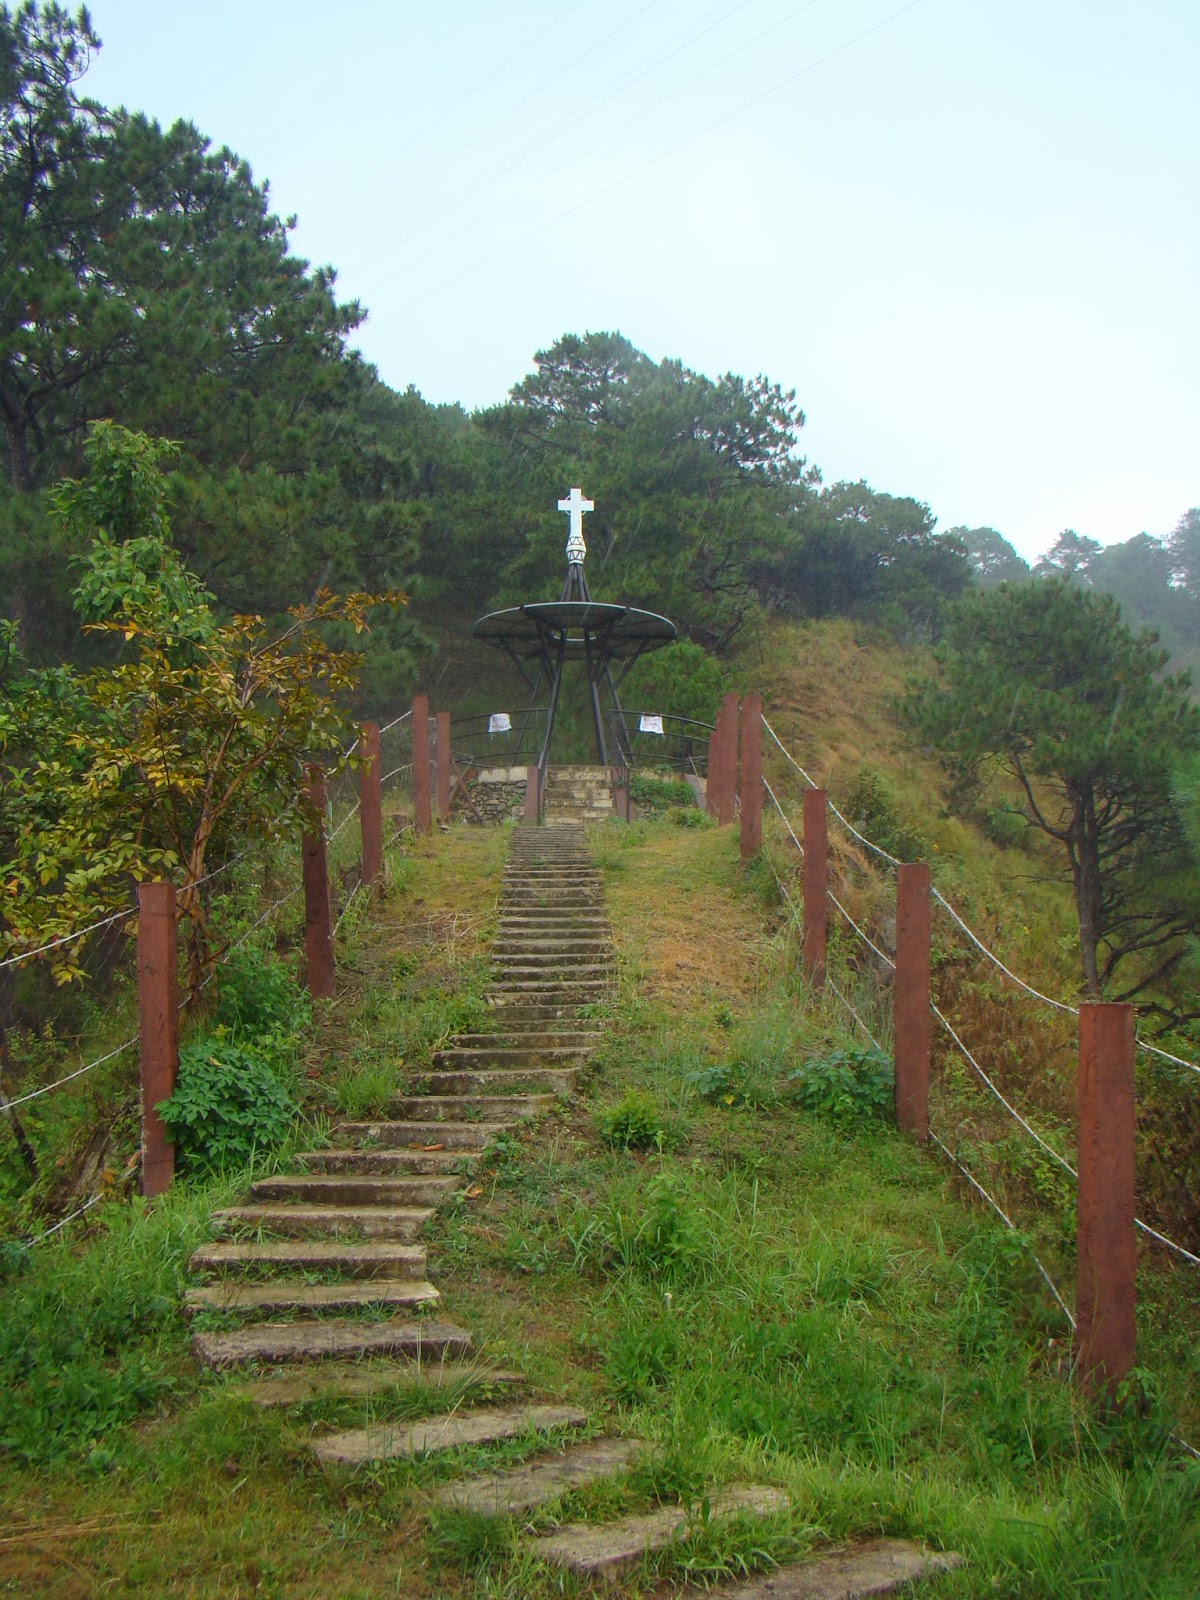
point(578, 794)
point(351, 1217)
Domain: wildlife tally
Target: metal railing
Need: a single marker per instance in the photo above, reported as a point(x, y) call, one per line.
point(682, 745)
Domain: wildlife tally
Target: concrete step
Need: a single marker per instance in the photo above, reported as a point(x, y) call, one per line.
point(534, 1038)
point(329, 1189)
point(296, 1295)
point(332, 1338)
point(451, 1134)
point(552, 967)
point(401, 1224)
point(552, 1081)
point(539, 1482)
point(514, 1058)
point(352, 1380)
point(542, 951)
point(593, 962)
point(407, 1441)
point(426, 1162)
point(376, 1259)
point(490, 1108)
point(515, 1013)
point(878, 1566)
point(606, 1549)
point(579, 992)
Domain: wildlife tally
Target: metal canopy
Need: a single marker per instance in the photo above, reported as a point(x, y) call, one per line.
point(613, 632)
point(542, 636)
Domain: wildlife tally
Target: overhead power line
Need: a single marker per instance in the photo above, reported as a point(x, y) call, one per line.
point(580, 114)
point(442, 115)
point(557, 220)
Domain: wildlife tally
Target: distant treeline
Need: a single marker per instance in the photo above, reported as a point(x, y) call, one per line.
point(143, 277)
point(1154, 578)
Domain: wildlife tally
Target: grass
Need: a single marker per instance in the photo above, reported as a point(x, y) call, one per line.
point(771, 1295)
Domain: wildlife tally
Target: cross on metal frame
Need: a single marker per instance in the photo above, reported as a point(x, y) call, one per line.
point(541, 637)
point(575, 506)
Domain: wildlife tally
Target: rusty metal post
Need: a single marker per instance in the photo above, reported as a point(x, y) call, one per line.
point(318, 908)
point(752, 776)
point(158, 1027)
point(912, 1045)
point(420, 755)
point(816, 885)
point(370, 803)
point(443, 766)
point(722, 764)
point(532, 796)
point(1106, 1255)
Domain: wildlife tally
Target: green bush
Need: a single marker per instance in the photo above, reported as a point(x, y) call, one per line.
point(256, 995)
point(229, 1105)
point(874, 809)
point(655, 797)
point(1006, 827)
point(637, 1122)
point(846, 1086)
point(691, 817)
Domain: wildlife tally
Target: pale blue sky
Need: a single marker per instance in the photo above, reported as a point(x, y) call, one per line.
point(965, 231)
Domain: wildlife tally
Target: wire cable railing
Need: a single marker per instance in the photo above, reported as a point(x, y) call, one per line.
point(961, 922)
point(972, 1061)
point(9, 1104)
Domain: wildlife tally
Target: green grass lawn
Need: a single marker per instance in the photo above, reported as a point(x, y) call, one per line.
point(760, 1292)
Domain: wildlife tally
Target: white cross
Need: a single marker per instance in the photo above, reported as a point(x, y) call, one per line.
point(575, 506)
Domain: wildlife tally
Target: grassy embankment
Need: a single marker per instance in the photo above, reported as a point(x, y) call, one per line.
point(762, 1292)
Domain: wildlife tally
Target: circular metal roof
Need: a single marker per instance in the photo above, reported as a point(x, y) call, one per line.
point(576, 626)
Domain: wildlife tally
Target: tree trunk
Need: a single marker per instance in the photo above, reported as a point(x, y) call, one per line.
point(1084, 847)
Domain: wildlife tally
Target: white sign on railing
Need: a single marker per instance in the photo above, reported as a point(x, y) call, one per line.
point(499, 722)
point(649, 724)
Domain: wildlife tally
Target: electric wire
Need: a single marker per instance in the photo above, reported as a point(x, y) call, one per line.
point(441, 117)
point(560, 216)
point(555, 78)
point(564, 126)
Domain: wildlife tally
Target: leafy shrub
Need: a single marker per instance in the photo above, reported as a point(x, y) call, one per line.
point(636, 1122)
point(847, 1086)
point(735, 1084)
point(258, 996)
point(654, 797)
point(874, 809)
point(228, 1105)
point(1005, 827)
point(691, 817)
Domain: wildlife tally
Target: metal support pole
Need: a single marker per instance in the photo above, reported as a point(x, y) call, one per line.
point(913, 1041)
point(816, 885)
point(370, 804)
point(158, 1027)
point(318, 910)
point(443, 766)
point(420, 755)
point(1106, 1254)
point(752, 776)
